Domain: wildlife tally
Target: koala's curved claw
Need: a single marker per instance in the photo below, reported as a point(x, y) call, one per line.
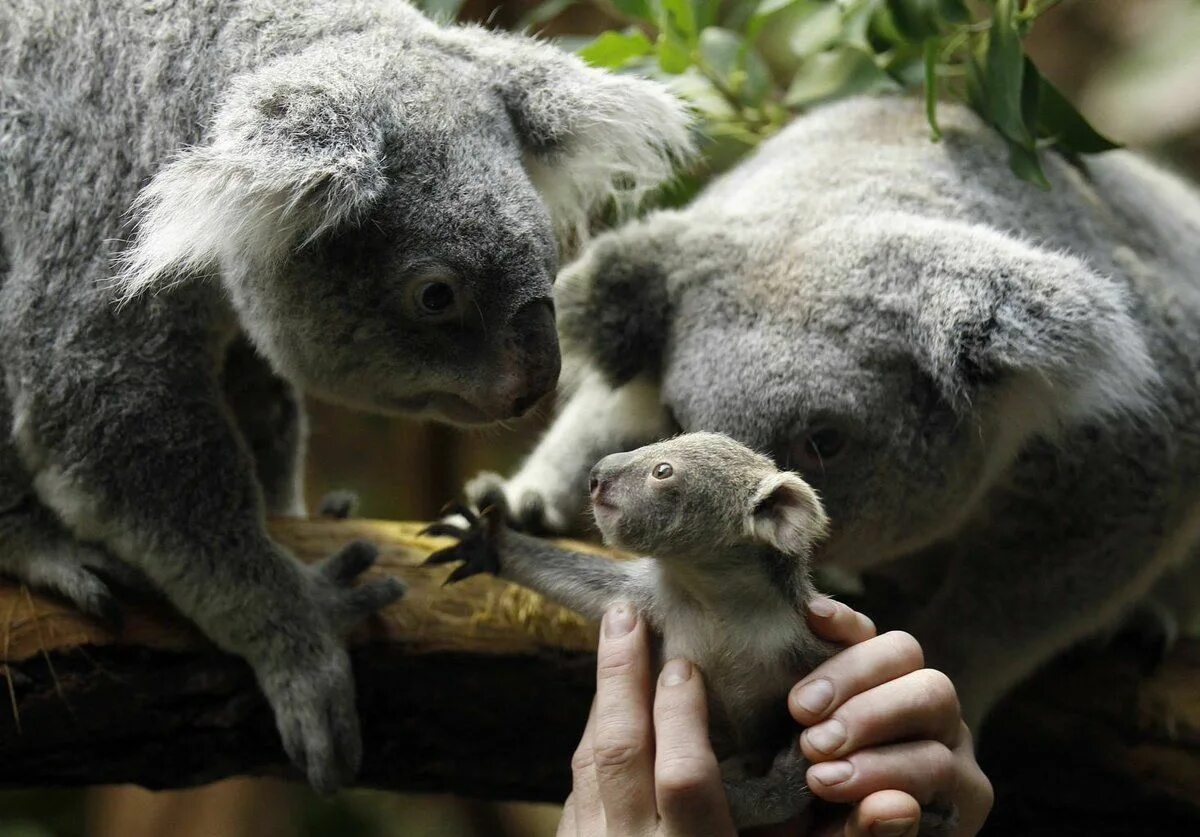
point(454, 507)
point(349, 562)
point(477, 547)
point(442, 529)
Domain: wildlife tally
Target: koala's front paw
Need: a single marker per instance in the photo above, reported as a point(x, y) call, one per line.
point(306, 673)
point(478, 546)
point(528, 509)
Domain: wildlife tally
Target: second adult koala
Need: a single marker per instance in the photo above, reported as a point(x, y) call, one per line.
point(993, 387)
point(725, 583)
point(210, 208)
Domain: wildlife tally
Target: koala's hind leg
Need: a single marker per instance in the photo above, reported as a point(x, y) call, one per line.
point(36, 550)
point(549, 491)
point(270, 417)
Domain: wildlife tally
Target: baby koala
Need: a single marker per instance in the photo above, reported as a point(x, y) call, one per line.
point(725, 584)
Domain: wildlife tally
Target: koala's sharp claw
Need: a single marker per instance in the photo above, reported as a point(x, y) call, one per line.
point(456, 507)
point(348, 564)
point(442, 530)
point(443, 556)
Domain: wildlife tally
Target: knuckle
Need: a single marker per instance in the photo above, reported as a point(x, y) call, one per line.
point(942, 772)
point(906, 648)
point(582, 760)
point(683, 776)
point(939, 690)
point(614, 755)
point(615, 662)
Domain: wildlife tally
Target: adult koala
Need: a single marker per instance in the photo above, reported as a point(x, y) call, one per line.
point(333, 197)
point(993, 387)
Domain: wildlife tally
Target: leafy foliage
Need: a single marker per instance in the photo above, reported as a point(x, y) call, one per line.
point(749, 65)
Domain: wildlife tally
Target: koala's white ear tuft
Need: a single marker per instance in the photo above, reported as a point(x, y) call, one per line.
point(590, 136)
point(289, 158)
point(786, 513)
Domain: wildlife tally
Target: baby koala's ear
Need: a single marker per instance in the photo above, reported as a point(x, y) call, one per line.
point(291, 154)
point(786, 513)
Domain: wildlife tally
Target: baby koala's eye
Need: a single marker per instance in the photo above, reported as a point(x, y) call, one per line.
point(662, 471)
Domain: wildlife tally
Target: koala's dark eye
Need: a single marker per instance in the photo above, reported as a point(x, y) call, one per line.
point(818, 447)
point(662, 471)
point(435, 297)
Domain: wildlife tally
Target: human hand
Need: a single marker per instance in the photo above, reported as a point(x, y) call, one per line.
point(885, 734)
point(644, 765)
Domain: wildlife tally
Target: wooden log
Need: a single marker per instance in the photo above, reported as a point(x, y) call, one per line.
point(482, 688)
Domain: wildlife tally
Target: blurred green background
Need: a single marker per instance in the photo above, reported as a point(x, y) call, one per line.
point(1131, 66)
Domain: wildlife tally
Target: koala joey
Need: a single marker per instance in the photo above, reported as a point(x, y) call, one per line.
point(726, 583)
point(993, 387)
point(208, 209)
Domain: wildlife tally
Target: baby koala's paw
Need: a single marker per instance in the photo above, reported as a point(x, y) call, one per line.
point(527, 508)
point(479, 540)
point(776, 797)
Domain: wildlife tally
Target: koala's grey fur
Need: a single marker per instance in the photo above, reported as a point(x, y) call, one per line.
point(1016, 371)
point(208, 207)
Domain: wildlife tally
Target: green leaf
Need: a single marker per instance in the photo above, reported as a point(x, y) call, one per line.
point(640, 9)
point(441, 9)
point(673, 56)
point(1025, 164)
point(736, 66)
point(834, 74)
point(1004, 70)
point(678, 18)
point(542, 12)
point(933, 47)
point(1057, 118)
point(920, 19)
point(613, 50)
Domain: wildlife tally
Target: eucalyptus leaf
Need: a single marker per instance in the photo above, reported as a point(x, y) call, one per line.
point(640, 9)
point(441, 9)
point(1058, 119)
point(835, 74)
point(613, 50)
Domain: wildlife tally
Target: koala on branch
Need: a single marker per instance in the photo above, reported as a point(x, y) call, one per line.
point(209, 209)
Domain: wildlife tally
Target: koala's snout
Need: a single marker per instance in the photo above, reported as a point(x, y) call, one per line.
point(537, 360)
point(603, 476)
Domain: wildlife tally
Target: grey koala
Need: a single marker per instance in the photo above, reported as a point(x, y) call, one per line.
point(208, 208)
point(994, 388)
point(726, 585)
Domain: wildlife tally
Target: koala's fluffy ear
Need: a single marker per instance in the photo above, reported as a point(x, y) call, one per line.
point(290, 156)
point(993, 310)
point(613, 304)
point(590, 136)
point(786, 513)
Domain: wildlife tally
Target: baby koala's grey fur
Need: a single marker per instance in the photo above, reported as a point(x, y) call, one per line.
point(1014, 371)
point(726, 585)
point(208, 207)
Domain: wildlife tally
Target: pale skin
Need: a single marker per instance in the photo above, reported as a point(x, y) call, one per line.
point(644, 765)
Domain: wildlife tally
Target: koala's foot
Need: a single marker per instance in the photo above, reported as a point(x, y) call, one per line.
point(340, 504)
point(312, 692)
point(478, 546)
point(776, 797)
point(52, 562)
point(528, 509)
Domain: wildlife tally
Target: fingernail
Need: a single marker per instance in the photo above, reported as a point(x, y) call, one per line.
point(814, 697)
point(831, 772)
point(619, 620)
point(826, 737)
point(892, 828)
point(822, 607)
point(675, 672)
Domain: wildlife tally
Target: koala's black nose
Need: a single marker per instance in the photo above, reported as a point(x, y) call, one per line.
point(539, 358)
